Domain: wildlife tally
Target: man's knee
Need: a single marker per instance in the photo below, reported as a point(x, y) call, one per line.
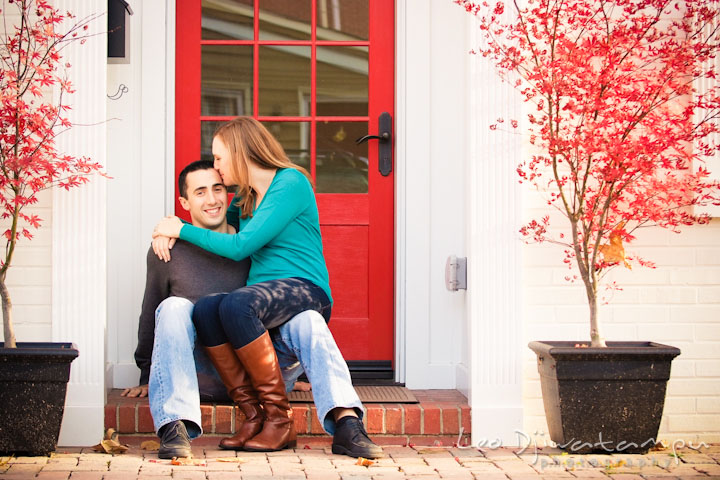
point(306, 325)
point(173, 313)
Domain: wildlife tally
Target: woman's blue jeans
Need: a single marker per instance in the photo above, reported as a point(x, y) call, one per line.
point(241, 316)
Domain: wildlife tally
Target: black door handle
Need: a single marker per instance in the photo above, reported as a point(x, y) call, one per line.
point(384, 144)
point(384, 137)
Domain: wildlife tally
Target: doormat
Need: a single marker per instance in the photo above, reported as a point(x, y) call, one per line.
point(367, 394)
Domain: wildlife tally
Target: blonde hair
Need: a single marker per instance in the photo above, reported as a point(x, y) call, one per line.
point(248, 140)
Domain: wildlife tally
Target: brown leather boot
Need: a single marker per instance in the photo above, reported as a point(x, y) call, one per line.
point(261, 363)
point(241, 391)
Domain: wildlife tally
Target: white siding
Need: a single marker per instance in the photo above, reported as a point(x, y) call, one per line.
point(30, 277)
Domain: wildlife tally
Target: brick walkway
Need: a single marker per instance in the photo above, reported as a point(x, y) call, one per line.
point(402, 462)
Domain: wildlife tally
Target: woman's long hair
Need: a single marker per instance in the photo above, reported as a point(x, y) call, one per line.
point(249, 141)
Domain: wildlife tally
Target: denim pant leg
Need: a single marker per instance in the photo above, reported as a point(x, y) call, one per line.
point(173, 388)
point(308, 338)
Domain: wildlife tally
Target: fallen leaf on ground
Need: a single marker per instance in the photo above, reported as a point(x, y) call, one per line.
point(188, 461)
point(432, 449)
point(364, 462)
point(230, 459)
point(150, 445)
point(110, 443)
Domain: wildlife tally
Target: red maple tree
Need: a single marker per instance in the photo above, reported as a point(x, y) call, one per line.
point(622, 114)
point(31, 70)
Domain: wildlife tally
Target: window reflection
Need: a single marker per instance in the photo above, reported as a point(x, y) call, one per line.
point(226, 80)
point(342, 20)
point(341, 164)
point(207, 130)
point(284, 80)
point(227, 19)
point(285, 19)
point(342, 81)
point(295, 139)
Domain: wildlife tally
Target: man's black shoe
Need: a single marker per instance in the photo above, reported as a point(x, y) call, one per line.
point(174, 440)
point(352, 440)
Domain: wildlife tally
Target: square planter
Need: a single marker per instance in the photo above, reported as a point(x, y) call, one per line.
point(33, 383)
point(604, 399)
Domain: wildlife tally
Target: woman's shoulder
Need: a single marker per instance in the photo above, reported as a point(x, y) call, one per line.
point(291, 177)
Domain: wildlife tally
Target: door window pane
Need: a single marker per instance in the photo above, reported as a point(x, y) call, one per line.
point(285, 19)
point(284, 81)
point(207, 130)
point(341, 164)
point(342, 81)
point(226, 80)
point(342, 20)
point(295, 139)
point(227, 19)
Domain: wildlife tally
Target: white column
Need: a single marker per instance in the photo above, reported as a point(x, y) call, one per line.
point(80, 238)
point(494, 278)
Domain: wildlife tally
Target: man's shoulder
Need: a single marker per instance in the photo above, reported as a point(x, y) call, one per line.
point(186, 251)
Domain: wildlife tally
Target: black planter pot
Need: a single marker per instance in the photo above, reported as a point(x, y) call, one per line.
point(33, 383)
point(604, 399)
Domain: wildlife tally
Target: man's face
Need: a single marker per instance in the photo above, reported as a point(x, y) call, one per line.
point(206, 199)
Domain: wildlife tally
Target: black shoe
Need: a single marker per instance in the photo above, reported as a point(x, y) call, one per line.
point(351, 439)
point(174, 440)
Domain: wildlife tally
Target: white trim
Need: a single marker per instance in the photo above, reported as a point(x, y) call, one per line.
point(79, 295)
point(494, 261)
point(399, 169)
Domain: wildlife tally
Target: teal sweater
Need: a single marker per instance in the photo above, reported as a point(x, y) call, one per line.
point(282, 238)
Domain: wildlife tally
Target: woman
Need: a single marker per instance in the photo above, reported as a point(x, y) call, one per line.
point(279, 230)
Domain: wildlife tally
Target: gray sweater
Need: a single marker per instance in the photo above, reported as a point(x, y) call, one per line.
point(191, 273)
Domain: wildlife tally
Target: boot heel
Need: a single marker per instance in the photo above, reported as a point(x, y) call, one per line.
point(291, 444)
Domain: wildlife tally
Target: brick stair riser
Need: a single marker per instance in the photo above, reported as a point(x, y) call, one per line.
point(387, 419)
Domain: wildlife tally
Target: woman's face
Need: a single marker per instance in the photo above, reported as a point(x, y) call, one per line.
point(223, 161)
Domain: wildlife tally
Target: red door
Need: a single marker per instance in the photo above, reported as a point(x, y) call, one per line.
point(318, 74)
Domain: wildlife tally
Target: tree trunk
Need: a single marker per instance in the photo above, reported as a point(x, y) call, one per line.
point(8, 330)
point(595, 339)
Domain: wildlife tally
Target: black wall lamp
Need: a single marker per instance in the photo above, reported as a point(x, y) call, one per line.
point(118, 11)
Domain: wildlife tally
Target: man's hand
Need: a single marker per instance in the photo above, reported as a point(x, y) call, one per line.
point(139, 391)
point(162, 246)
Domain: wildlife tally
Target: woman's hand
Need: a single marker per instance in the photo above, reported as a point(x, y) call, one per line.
point(169, 226)
point(162, 246)
point(164, 235)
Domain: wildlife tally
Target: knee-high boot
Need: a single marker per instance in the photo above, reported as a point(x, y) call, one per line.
point(259, 359)
point(241, 391)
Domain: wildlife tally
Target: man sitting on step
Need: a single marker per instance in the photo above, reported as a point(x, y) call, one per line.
point(178, 373)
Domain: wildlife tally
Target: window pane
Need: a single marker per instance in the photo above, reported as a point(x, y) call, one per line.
point(207, 129)
point(342, 19)
point(295, 139)
point(227, 19)
point(226, 80)
point(341, 164)
point(342, 81)
point(284, 81)
point(285, 19)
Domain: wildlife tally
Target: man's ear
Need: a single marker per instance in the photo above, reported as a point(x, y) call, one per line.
point(185, 204)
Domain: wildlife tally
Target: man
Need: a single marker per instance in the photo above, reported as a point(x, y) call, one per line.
point(166, 336)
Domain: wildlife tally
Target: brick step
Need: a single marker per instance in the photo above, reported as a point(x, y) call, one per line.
point(441, 414)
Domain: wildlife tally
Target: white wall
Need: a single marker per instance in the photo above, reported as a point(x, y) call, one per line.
point(141, 156)
point(432, 146)
point(30, 277)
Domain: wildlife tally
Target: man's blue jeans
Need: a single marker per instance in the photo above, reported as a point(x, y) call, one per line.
point(302, 344)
